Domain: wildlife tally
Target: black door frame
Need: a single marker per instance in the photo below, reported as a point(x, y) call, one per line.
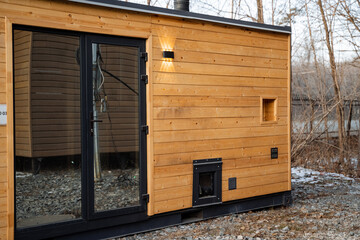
point(129, 42)
point(91, 220)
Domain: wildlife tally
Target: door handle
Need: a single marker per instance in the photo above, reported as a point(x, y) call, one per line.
point(96, 121)
point(92, 121)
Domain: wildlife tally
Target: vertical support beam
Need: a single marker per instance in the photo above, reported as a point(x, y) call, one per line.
point(3, 138)
point(10, 128)
point(150, 136)
point(289, 109)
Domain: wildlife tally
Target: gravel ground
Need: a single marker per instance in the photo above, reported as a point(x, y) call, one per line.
point(325, 206)
point(53, 196)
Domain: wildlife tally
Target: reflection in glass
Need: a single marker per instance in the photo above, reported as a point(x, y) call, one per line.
point(47, 128)
point(115, 126)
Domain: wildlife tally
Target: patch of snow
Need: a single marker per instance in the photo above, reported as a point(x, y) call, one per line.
point(23, 175)
point(354, 161)
point(304, 175)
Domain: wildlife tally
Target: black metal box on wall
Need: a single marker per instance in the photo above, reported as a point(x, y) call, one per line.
point(274, 153)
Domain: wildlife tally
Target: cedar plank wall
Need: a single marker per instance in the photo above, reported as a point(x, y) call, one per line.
point(209, 106)
point(3, 139)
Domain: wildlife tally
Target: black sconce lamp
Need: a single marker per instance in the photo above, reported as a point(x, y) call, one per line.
point(168, 55)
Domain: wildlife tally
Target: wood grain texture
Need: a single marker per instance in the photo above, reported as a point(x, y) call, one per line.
point(3, 221)
point(150, 137)
point(170, 182)
point(209, 47)
point(255, 191)
point(216, 28)
point(3, 204)
point(219, 70)
point(289, 111)
point(3, 175)
point(172, 205)
point(3, 189)
point(28, 14)
point(210, 123)
point(217, 91)
point(218, 144)
point(224, 59)
point(233, 153)
point(3, 134)
point(3, 155)
point(213, 80)
point(253, 181)
point(194, 135)
point(10, 131)
point(192, 34)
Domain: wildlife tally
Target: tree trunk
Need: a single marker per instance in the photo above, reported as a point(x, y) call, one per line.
point(312, 105)
point(338, 99)
point(272, 12)
point(322, 83)
point(232, 8)
point(260, 11)
point(358, 159)
point(349, 119)
point(326, 128)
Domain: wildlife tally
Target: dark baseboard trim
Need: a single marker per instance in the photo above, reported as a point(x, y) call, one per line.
point(186, 216)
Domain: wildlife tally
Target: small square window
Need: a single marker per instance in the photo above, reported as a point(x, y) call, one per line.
point(268, 111)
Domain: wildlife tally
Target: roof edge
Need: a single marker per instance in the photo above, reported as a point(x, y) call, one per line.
point(182, 14)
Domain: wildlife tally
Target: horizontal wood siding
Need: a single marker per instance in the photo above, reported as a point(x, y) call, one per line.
point(55, 95)
point(3, 140)
point(119, 130)
point(22, 61)
point(51, 126)
point(207, 105)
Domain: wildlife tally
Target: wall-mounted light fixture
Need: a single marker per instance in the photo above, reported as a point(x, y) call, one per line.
point(168, 56)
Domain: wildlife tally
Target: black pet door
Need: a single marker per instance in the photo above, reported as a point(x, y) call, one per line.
point(207, 181)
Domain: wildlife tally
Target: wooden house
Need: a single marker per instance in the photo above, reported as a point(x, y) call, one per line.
point(136, 117)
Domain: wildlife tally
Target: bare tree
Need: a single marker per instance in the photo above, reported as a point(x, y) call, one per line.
point(260, 11)
point(321, 83)
point(350, 11)
point(334, 74)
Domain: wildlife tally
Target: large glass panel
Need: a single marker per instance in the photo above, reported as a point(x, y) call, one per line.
point(47, 128)
point(115, 126)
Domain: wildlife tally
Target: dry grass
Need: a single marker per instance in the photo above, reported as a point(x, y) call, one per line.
point(323, 155)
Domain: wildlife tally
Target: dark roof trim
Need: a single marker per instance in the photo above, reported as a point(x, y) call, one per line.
point(183, 14)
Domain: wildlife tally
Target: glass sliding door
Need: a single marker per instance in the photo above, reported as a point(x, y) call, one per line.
point(116, 118)
point(115, 109)
point(80, 144)
point(47, 128)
